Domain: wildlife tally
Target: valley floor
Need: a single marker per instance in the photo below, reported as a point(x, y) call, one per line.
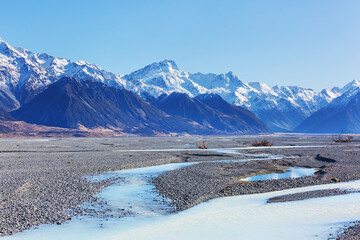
point(42, 180)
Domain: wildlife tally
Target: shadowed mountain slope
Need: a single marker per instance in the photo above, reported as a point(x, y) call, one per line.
point(70, 103)
point(343, 114)
point(211, 111)
point(241, 117)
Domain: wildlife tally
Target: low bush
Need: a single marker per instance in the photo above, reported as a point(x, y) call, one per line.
point(342, 139)
point(201, 145)
point(263, 142)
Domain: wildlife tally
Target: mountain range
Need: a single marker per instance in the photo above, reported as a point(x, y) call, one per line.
point(341, 115)
point(71, 103)
point(212, 111)
point(24, 75)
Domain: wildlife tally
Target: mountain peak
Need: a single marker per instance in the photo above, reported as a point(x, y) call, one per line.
point(230, 73)
point(4, 46)
point(351, 88)
point(353, 83)
point(166, 65)
point(8, 49)
point(168, 62)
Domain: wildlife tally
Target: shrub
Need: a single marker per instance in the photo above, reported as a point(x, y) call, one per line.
point(263, 142)
point(342, 138)
point(201, 145)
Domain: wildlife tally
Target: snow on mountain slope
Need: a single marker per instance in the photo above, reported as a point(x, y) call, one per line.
point(19, 75)
point(350, 89)
point(24, 74)
point(342, 114)
point(274, 105)
point(162, 77)
point(281, 108)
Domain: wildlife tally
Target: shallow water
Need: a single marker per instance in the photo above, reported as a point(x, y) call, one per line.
point(137, 194)
point(295, 172)
point(26, 140)
point(226, 151)
point(132, 192)
point(239, 217)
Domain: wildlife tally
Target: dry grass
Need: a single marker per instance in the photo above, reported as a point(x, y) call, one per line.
point(16, 129)
point(201, 145)
point(341, 138)
point(263, 142)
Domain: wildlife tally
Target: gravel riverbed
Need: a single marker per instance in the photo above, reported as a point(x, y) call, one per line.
point(42, 180)
point(195, 184)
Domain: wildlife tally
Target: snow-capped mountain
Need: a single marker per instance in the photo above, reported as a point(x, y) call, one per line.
point(350, 89)
point(70, 103)
point(281, 108)
point(341, 115)
point(212, 111)
point(24, 74)
point(162, 77)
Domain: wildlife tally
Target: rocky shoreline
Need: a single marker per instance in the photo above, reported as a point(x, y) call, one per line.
point(195, 184)
point(190, 186)
point(42, 181)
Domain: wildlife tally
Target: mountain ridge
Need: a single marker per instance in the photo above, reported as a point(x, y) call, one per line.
point(75, 104)
point(24, 74)
point(71, 103)
point(214, 113)
point(341, 115)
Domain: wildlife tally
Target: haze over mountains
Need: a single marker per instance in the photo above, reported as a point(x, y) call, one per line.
point(24, 75)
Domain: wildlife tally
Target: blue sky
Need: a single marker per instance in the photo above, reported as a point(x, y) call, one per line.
point(310, 43)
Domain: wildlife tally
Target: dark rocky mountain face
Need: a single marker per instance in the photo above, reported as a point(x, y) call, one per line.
point(69, 103)
point(240, 115)
point(342, 115)
point(211, 111)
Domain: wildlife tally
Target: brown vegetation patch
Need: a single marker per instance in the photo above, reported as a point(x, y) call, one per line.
point(263, 142)
point(341, 138)
point(201, 145)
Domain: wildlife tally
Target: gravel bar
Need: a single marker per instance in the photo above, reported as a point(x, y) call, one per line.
point(42, 180)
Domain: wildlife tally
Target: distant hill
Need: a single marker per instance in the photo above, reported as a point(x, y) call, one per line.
point(211, 111)
point(69, 103)
point(343, 114)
